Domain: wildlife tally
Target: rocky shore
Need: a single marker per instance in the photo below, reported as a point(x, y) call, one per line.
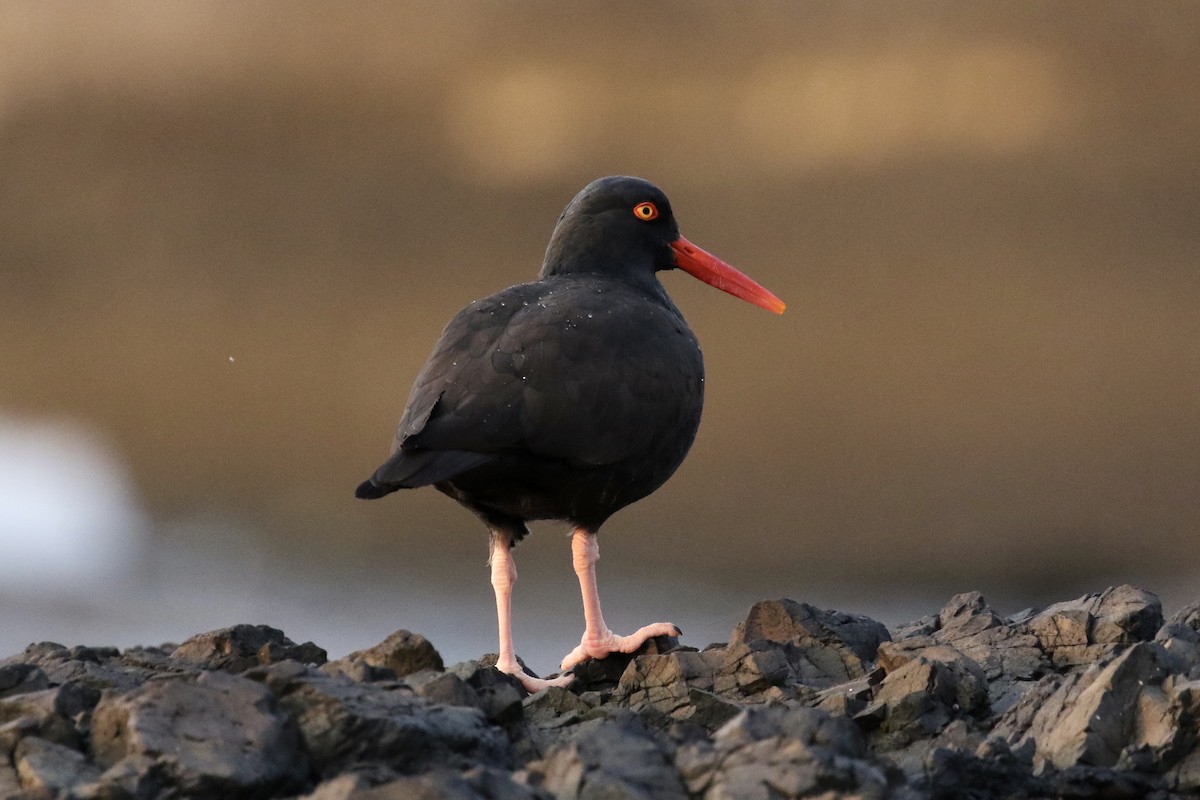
point(1094, 697)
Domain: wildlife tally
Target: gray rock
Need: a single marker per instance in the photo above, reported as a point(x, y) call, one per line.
point(602, 674)
point(1121, 713)
point(922, 695)
point(47, 714)
point(1180, 636)
point(968, 680)
point(21, 678)
point(1078, 632)
point(749, 669)
point(479, 783)
point(663, 681)
point(500, 695)
point(400, 654)
point(443, 687)
point(51, 768)
point(1004, 651)
point(822, 648)
point(216, 735)
point(241, 647)
point(620, 760)
point(1069, 702)
point(555, 707)
point(774, 751)
point(10, 783)
point(348, 725)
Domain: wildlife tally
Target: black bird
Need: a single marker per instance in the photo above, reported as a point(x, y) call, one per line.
point(567, 398)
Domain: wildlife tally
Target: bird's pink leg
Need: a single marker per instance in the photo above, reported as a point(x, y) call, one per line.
point(504, 575)
point(598, 641)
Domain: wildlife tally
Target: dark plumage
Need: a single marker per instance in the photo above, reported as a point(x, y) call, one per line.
point(572, 396)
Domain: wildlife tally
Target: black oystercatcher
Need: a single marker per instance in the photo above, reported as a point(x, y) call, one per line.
point(566, 398)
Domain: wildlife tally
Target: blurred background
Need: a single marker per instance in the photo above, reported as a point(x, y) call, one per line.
point(230, 234)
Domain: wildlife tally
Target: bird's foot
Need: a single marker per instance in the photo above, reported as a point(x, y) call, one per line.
point(608, 642)
point(531, 683)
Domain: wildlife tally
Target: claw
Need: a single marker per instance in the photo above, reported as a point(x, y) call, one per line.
point(608, 642)
point(532, 684)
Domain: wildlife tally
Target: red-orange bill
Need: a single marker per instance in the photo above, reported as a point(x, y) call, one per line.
point(701, 264)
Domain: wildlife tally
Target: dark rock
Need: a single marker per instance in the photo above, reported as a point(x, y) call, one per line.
point(822, 648)
point(1078, 632)
point(1071, 702)
point(443, 687)
point(618, 760)
point(555, 707)
point(601, 674)
point(10, 783)
point(1120, 713)
point(968, 680)
point(750, 669)
point(347, 725)
point(47, 714)
point(1010, 657)
point(474, 784)
point(992, 771)
point(50, 768)
point(1180, 636)
point(500, 695)
point(401, 653)
point(97, 667)
point(216, 735)
point(21, 678)
point(241, 647)
point(774, 751)
point(922, 696)
point(847, 699)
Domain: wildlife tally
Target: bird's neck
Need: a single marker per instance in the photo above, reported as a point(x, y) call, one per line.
point(634, 267)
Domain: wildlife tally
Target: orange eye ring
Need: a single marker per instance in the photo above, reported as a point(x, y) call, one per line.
point(645, 211)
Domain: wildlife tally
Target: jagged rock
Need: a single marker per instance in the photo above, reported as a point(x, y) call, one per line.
point(500, 695)
point(443, 687)
point(749, 669)
point(621, 760)
point(822, 648)
point(1010, 656)
point(347, 725)
point(1069, 702)
point(402, 653)
point(21, 678)
point(49, 664)
point(241, 647)
point(992, 770)
point(922, 695)
point(1121, 713)
point(848, 699)
point(775, 751)
point(1180, 636)
point(968, 680)
point(10, 782)
point(474, 784)
point(663, 681)
point(46, 714)
point(50, 768)
point(217, 734)
point(555, 707)
point(1079, 632)
point(602, 674)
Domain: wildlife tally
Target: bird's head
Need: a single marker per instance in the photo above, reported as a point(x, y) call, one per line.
point(624, 227)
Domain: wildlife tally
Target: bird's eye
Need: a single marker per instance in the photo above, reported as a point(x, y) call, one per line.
point(645, 211)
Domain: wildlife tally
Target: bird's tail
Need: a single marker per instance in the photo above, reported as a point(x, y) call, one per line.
point(408, 469)
point(370, 490)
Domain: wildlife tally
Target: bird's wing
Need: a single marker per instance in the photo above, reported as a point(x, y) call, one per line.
point(558, 370)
